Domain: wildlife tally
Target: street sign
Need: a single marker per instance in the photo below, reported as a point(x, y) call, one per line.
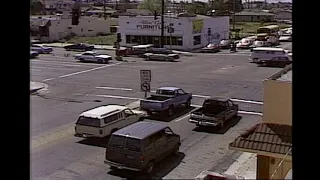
point(145, 87)
point(145, 76)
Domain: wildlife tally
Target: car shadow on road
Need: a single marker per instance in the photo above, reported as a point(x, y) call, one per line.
point(98, 142)
point(178, 112)
point(161, 169)
point(217, 130)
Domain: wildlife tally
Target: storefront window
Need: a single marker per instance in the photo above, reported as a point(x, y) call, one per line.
point(177, 41)
point(196, 40)
point(128, 39)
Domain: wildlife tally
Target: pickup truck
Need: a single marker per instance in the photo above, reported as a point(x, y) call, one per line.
point(214, 112)
point(165, 100)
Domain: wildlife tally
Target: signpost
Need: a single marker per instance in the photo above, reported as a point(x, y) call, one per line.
point(145, 80)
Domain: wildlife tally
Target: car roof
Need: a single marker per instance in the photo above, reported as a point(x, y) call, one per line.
point(267, 49)
point(140, 130)
point(169, 88)
point(218, 99)
point(92, 52)
point(103, 111)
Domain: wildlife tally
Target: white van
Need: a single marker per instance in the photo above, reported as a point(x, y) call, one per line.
point(104, 120)
point(265, 54)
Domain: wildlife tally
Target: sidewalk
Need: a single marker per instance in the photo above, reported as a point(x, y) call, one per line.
point(106, 47)
point(245, 166)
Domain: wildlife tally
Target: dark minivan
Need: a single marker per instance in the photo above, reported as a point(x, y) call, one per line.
point(139, 146)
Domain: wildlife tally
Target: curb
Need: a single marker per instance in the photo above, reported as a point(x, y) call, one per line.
point(35, 90)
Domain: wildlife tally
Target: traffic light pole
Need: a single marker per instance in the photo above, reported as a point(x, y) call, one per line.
point(162, 24)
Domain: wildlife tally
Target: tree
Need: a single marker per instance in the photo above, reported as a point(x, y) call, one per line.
point(36, 6)
point(151, 5)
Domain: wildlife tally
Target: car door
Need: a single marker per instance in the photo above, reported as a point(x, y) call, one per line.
point(229, 112)
point(171, 141)
point(87, 57)
point(130, 117)
point(182, 96)
point(161, 147)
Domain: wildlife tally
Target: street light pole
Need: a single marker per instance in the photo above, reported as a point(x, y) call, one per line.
point(104, 10)
point(162, 24)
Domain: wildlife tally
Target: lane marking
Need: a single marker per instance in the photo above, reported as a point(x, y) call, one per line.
point(183, 117)
point(89, 70)
point(49, 79)
point(35, 69)
point(250, 113)
point(114, 88)
point(62, 62)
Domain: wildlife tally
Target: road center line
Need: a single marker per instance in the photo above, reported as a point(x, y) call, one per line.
point(114, 88)
point(89, 70)
point(183, 117)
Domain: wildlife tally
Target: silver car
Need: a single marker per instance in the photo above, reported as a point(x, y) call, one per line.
point(161, 57)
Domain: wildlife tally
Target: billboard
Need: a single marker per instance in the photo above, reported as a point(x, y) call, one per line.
point(197, 26)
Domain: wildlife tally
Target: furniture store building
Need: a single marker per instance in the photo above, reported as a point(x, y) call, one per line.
point(182, 32)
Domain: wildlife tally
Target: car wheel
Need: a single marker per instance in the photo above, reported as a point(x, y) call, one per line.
point(188, 103)
point(81, 60)
point(100, 61)
point(148, 58)
point(150, 167)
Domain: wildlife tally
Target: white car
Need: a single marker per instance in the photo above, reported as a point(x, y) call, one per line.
point(285, 38)
point(104, 120)
point(91, 56)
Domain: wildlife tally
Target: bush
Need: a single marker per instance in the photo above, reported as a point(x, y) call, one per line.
point(102, 34)
point(70, 36)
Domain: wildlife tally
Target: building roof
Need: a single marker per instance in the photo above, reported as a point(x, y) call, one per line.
point(101, 111)
point(250, 13)
point(140, 130)
point(266, 137)
point(169, 88)
point(283, 75)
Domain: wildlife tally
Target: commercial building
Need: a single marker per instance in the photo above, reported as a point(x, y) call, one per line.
point(54, 28)
point(271, 140)
point(254, 16)
point(182, 32)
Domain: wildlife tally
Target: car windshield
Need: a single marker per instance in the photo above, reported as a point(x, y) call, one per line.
point(165, 92)
point(88, 121)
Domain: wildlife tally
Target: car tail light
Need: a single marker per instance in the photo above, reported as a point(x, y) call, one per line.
point(141, 158)
point(100, 131)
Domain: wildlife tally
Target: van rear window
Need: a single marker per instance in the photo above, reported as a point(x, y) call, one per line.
point(129, 143)
point(87, 121)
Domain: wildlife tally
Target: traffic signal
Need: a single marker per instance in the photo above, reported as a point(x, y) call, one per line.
point(119, 37)
point(75, 17)
point(155, 15)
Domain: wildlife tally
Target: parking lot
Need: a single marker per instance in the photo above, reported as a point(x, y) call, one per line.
point(73, 87)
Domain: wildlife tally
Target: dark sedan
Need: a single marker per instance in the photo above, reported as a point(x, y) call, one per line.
point(79, 47)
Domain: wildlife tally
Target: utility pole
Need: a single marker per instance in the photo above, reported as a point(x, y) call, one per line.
point(104, 10)
point(162, 24)
point(234, 19)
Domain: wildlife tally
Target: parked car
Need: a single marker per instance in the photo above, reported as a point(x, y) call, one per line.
point(245, 43)
point(33, 54)
point(225, 44)
point(285, 38)
point(41, 49)
point(91, 56)
point(165, 100)
point(260, 44)
point(79, 47)
point(214, 112)
point(267, 56)
point(138, 147)
point(164, 51)
point(211, 48)
point(161, 57)
point(104, 120)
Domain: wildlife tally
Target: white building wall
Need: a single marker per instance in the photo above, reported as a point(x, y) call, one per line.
point(87, 27)
point(183, 27)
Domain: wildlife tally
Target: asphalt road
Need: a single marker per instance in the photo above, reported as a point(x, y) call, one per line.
point(74, 87)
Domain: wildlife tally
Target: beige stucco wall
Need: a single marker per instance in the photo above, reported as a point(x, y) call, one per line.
point(277, 107)
point(282, 170)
